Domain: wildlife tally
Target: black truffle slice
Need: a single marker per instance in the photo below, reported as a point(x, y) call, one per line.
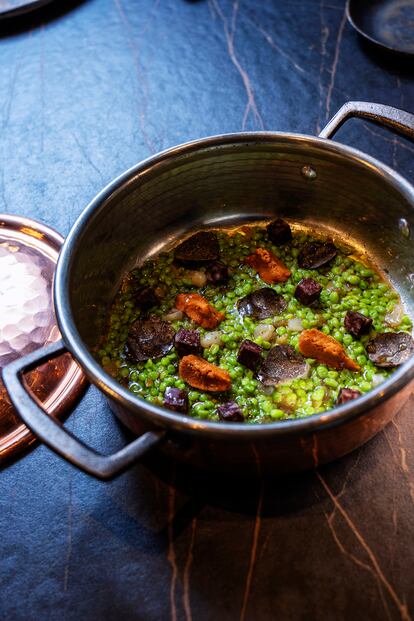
point(187, 342)
point(347, 394)
point(249, 355)
point(149, 338)
point(200, 248)
point(282, 364)
point(261, 304)
point(308, 291)
point(145, 298)
point(390, 349)
point(217, 273)
point(279, 232)
point(316, 254)
point(176, 399)
point(357, 324)
point(230, 412)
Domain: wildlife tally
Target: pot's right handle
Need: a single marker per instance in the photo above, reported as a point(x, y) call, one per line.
point(54, 434)
point(399, 121)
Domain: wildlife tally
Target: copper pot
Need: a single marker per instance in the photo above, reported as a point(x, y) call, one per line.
point(224, 180)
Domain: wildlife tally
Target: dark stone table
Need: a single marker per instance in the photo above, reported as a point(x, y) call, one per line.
point(87, 90)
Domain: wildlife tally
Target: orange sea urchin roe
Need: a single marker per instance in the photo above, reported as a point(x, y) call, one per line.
point(203, 375)
point(325, 349)
point(269, 267)
point(198, 309)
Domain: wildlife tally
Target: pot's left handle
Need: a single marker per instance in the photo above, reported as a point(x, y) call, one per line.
point(54, 434)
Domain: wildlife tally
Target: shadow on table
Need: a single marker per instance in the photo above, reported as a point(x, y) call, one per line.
point(148, 520)
point(19, 24)
point(401, 65)
point(282, 495)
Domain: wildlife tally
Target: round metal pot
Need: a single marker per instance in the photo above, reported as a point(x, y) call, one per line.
point(221, 181)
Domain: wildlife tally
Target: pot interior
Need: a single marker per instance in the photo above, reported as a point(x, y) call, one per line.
point(231, 180)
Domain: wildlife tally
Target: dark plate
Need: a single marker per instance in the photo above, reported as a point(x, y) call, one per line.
point(13, 8)
point(386, 23)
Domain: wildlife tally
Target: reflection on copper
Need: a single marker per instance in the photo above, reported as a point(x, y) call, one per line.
point(31, 232)
point(27, 322)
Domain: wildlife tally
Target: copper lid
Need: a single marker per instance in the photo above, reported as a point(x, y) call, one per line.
point(28, 256)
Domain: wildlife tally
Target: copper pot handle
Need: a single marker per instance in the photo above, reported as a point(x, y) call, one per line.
point(399, 121)
point(54, 434)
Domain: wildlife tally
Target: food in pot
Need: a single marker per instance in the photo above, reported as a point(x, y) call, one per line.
point(275, 323)
point(217, 273)
point(187, 342)
point(146, 298)
point(176, 399)
point(199, 373)
point(283, 363)
point(316, 254)
point(308, 291)
point(149, 339)
point(230, 412)
point(325, 349)
point(357, 324)
point(279, 232)
point(198, 249)
point(269, 267)
point(262, 304)
point(249, 355)
point(197, 308)
point(390, 349)
point(347, 394)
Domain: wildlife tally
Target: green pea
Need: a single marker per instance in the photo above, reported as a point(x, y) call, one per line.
point(322, 371)
point(366, 273)
point(290, 400)
point(318, 394)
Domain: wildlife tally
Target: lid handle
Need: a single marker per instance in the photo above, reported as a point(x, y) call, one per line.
point(54, 434)
point(399, 121)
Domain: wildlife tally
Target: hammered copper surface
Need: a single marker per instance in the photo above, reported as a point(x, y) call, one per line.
point(28, 254)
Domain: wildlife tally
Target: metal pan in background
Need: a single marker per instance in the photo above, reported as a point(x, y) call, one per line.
point(14, 8)
point(388, 24)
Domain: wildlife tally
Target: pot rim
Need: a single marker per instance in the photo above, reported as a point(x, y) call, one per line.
point(159, 416)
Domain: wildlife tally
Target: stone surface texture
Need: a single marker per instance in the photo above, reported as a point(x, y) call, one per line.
point(88, 89)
